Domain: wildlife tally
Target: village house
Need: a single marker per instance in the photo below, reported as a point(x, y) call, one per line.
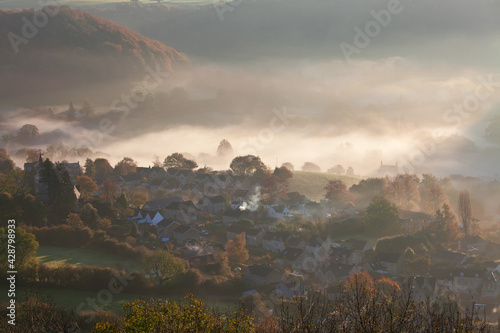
point(491, 286)
point(260, 274)
point(275, 241)
point(233, 216)
point(159, 204)
point(183, 233)
point(253, 236)
point(213, 204)
point(394, 262)
point(184, 211)
point(468, 281)
point(423, 287)
point(292, 286)
point(166, 228)
point(455, 258)
point(296, 259)
point(279, 212)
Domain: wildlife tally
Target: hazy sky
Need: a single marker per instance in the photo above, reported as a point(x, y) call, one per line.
point(426, 78)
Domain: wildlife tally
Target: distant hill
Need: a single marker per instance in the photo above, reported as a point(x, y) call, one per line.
point(74, 49)
point(312, 184)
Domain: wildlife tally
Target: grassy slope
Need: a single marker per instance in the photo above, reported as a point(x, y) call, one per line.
point(56, 256)
point(312, 184)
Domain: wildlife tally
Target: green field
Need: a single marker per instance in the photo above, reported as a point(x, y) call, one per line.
point(312, 184)
point(56, 256)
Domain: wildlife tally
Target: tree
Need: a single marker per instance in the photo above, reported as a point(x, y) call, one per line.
point(177, 160)
point(74, 220)
point(273, 187)
point(366, 189)
point(33, 212)
point(187, 316)
point(163, 266)
point(60, 192)
point(465, 211)
point(350, 171)
point(236, 249)
point(337, 170)
point(433, 198)
point(403, 191)
point(89, 215)
point(122, 201)
point(225, 149)
point(288, 165)
point(86, 185)
point(283, 173)
point(156, 162)
point(382, 217)
point(102, 168)
point(126, 166)
point(243, 165)
point(445, 227)
point(89, 168)
point(138, 196)
point(311, 167)
point(337, 193)
point(27, 134)
point(6, 163)
point(109, 190)
point(25, 254)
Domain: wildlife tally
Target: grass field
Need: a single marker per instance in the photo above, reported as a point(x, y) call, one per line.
point(312, 184)
point(71, 299)
point(56, 256)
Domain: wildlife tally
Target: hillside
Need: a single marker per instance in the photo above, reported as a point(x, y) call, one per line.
point(312, 184)
point(74, 49)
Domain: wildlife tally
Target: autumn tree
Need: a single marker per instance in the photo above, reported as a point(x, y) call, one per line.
point(109, 190)
point(273, 187)
point(283, 173)
point(236, 249)
point(89, 168)
point(138, 196)
point(403, 191)
point(445, 226)
point(26, 246)
point(6, 163)
point(163, 266)
point(74, 220)
point(89, 215)
point(311, 167)
point(86, 185)
point(382, 217)
point(177, 160)
point(186, 316)
point(243, 165)
point(60, 189)
point(224, 149)
point(366, 189)
point(28, 134)
point(337, 170)
point(337, 193)
point(288, 165)
point(433, 197)
point(126, 166)
point(102, 168)
point(469, 224)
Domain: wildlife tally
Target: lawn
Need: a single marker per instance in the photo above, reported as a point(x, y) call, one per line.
point(312, 184)
point(71, 299)
point(56, 256)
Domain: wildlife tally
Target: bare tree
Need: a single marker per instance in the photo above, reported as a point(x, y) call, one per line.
point(465, 211)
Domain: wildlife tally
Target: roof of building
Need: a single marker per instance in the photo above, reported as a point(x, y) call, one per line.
point(291, 253)
point(260, 270)
point(161, 203)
